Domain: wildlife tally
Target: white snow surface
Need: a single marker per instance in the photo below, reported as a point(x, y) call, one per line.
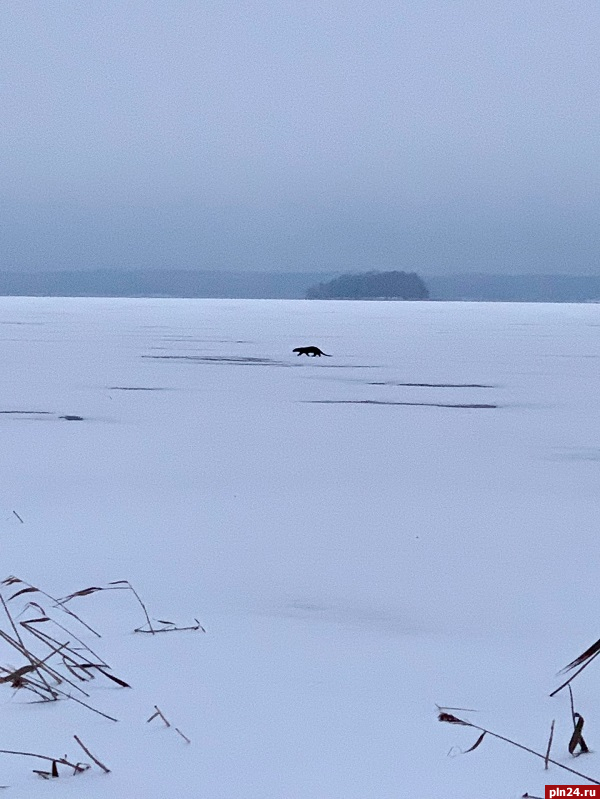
point(353, 563)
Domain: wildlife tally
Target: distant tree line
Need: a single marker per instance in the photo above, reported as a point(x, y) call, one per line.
point(371, 285)
point(159, 283)
point(291, 285)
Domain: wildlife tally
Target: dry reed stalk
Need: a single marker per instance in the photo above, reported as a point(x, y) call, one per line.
point(89, 754)
point(115, 585)
point(572, 706)
point(185, 738)
point(577, 737)
point(62, 760)
point(549, 745)
point(38, 664)
point(125, 585)
point(89, 707)
point(25, 651)
point(64, 648)
point(86, 665)
point(137, 596)
point(158, 713)
point(41, 633)
point(12, 580)
point(172, 628)
point(450, 719)
point(582, 660)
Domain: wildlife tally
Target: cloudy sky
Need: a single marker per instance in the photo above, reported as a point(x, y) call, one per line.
point(439, 136)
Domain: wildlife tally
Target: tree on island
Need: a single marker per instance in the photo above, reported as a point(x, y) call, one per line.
point(370, 286)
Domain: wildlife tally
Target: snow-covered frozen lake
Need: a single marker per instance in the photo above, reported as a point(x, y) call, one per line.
point(413, 520)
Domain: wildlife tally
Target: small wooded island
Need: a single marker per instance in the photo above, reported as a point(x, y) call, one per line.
point(371, 286)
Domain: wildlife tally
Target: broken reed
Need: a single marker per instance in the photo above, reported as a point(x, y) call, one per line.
point(42, 675)
point(449, 718)
point(159, 714)
point(53, 773)
point(38, 675)
point(547, 758)
point(582, 660)
point(65, 663)
point(577, 739)
point(125, 585)
point(12, 580)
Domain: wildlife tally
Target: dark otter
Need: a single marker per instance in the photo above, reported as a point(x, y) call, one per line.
point(313, 351)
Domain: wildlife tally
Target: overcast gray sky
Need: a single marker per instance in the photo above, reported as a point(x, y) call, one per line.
point(431, 135)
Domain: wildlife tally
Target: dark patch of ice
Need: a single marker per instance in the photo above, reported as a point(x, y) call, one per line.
point(228, 359)
point(135, 388)
point(578, 454)
point(29, 413)
point(195, 340)
point(28, 324)
point(430, 385)
point(322, 365)
point(246, 360)
point(353, 616)
point(386, 402)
